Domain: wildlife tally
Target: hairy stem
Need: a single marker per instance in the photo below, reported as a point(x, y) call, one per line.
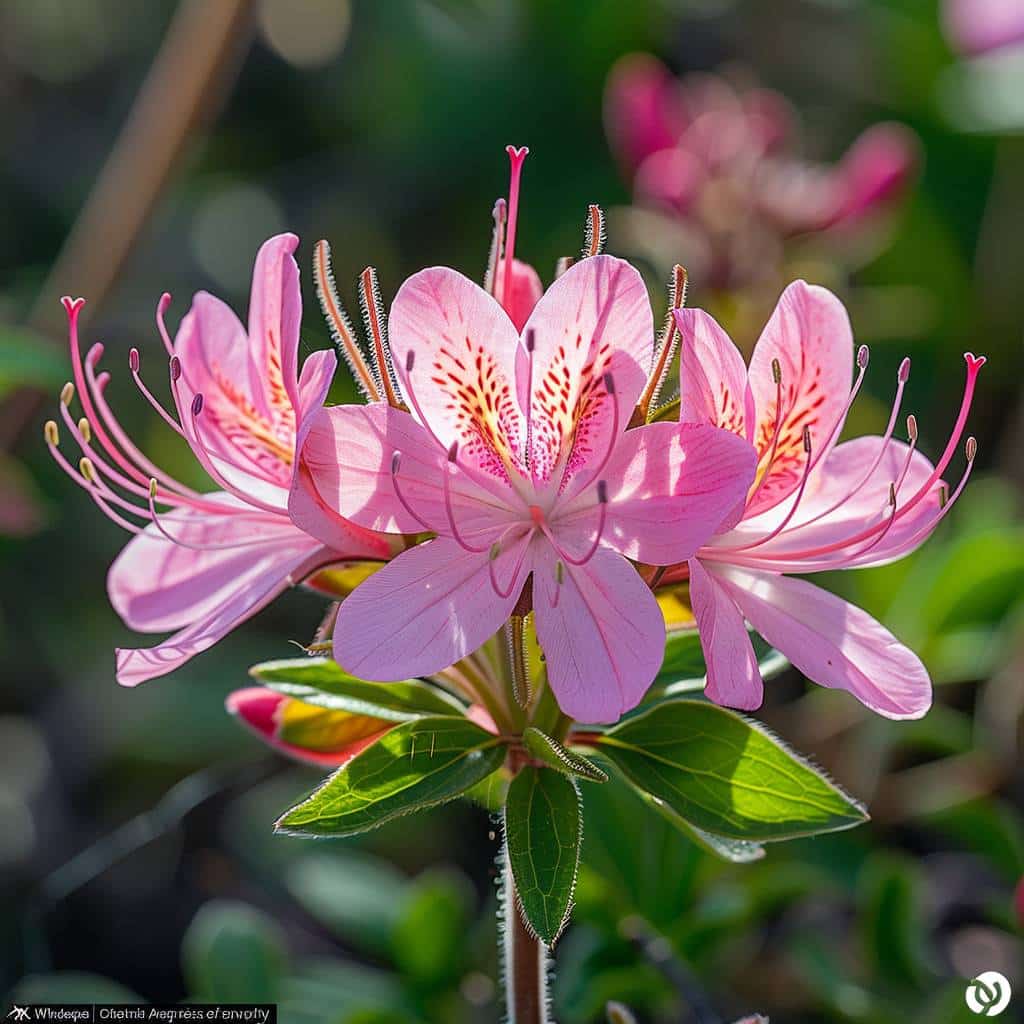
point(525, 960)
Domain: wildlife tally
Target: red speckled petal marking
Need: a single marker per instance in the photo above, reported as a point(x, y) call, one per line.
point(463, 346)
point(595, 319)
point(810, 335)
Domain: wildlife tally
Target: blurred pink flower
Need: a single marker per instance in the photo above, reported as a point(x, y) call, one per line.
point(724, 164)
point(516, 455)
point(979, 26)
point(210, 560)
point(814, 506)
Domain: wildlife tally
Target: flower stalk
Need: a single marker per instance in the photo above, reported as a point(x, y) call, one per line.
point(525, 959)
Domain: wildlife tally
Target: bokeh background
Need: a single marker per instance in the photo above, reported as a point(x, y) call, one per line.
point(152, 147)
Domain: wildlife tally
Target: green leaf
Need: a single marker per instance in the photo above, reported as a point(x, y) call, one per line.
point(233, 953)
point(322, 682)
point(543, 832)
point(725, 774)
point(418, 764)
point(70, 987)
point(554, 755)
point(684, 658)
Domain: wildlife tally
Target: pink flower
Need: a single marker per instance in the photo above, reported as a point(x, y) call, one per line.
point(210, 560)
point(516, 455)
point(980, 26)
point(724, 165)
point(815, 505)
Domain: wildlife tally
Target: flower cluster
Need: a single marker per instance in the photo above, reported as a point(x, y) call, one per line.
point(509, 466)
point(724, 168)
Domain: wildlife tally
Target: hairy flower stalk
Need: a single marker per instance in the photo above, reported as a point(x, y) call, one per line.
point(203, 562)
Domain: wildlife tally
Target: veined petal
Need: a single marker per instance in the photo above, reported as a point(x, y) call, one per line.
point(734, 679)
point(156, 585)
point(809, 334)
point(832, 642)
point(712, 375)
point(269, 572)
point(669, 487)
point(346, 472)
point(594, 320)
point(602, 632)
point(463, 346)
point(838, 509)
point(275, 312)
point(421, 613)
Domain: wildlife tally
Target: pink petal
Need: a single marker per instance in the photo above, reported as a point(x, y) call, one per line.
point(346, 473)
point(642, 109)
point(275, 312)
point(669, 487)
point(977, 26)
point(315, 381)
point(672, 178)
point(604, 639)
point(845, 468)
point(257, 707)
point(809, 334)
point(269, 572)
point(463, 345)
point(832, 642)
point(524, 293)
point(431, 606)
point(734, 679)
point(155, 585)
point(875, 170)
point(712, 375)
point(595, 319)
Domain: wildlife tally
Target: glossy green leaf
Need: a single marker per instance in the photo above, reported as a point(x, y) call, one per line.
point(543, 833)
point(322, 682)
point(542, 747)
point(416, 765)
point(233, 953)
point(725, 774)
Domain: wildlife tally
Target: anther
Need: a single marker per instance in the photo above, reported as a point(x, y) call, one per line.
point(892, 493)
point(807, 439)
point(87, 469)
point(559, 572)
point(862, 357)
point(912, 427)
point(197, 404)
point(776, 371)
point(85, 430)
point(133, 360)
point(531, 339)
point(609, 383)
point(396, 461)
point(152, 486)
point(51, 433)
point(67, 393)
point(903, 374)
point(495, 551)
point(175, 368)
point(943, 496)
point(971, 448)
point(410, 361)
point(453, 452)
point(602, 491)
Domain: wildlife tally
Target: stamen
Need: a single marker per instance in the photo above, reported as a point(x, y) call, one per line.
point(602, 502)
point(338, 323)
point(175, 367)
point(449, 511)
point(51, 433)
point(376, 326)
point(667, 342)
point(531, 341)
point(559, 580)
point(67, 393)
point(492, 569)
point(85, 430)
point(862, 366)
point(161, 309)
point(396, 462)
point(497, 241)
point(197, 403)
point(133, 364)
point(594, 236)
point(516, 158)
point(774, 446)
